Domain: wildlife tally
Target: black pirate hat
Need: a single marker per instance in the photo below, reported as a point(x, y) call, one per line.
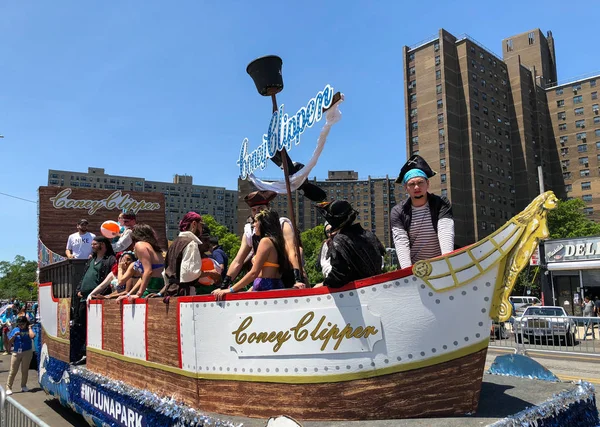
point(338, 213)
point(415, 162)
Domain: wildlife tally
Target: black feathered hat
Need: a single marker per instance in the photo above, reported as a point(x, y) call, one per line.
point(415, 162)
point(338, 213)
point(260, 198)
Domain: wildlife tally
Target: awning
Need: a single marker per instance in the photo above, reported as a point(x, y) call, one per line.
point(574, 265)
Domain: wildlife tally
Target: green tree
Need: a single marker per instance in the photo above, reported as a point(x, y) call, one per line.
point(311, 244)
point(18, 279)
point(229, 241)
point(569, 220)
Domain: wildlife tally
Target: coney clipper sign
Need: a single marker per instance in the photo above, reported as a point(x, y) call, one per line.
point(283, 130)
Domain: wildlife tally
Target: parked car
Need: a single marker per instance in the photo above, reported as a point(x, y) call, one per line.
point(524, 301)
point(545, 322)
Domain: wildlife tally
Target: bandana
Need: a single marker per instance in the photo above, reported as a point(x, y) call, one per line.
point(187, 219)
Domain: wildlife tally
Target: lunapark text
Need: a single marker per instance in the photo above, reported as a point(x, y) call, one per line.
point(283, 130)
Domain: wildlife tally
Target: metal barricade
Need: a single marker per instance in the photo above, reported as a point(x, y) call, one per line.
point(13, 414)
point(563, 334)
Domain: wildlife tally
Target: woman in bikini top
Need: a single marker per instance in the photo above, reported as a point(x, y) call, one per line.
point(270, 259)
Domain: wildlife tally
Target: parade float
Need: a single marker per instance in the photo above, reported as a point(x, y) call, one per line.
point(409, 343)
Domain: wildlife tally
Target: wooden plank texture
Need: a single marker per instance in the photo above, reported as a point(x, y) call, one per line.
point(162, 343)
point(56, 349)
point(112, 326)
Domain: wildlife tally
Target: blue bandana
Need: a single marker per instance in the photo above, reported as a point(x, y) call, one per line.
point(414, 173)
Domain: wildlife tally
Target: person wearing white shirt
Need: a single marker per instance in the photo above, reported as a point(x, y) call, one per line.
point(79, 244)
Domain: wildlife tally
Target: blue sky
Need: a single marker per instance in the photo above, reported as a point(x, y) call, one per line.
point(155, 88)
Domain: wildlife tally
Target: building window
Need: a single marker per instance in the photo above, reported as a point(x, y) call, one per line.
point(483, 225)
point(578, 99)
point(476, 106)
point(485, 110)
point(414, 126)
point(438, 89)
point(593, 83)
point(562, 126)
point(564, 151)
point(483, 83)
point(531, 37)
point(597, 120)
point(588, 211)
point(584, 172)
point(597, 133)
point(443, 177)
point(580, 124)
point(582, 148)
point(440, 118)
point(478, 134)
point(586, 185)
point(579, 111)
point(411, 71)
point(595, 108)
point(483, 210)
point(594, 95)
point(441, 134)
point(566, 175)
point(440, 103)
point(411, 57)
point(509, 45)
point(568, 188)
point(414, 140)
point(442, 163)
point(444, 192)
point(482, 194)
point(413, 98)
point(587, 198)
point(559, 91)
point(474, 77)
point(436, 46)
point(560, 103)
point(437, 60)
point(583, 161)
point(412, 85)
point(475, 91)
point(562, 115)
point(442, 147)
point(581, 136)
point(413, 112)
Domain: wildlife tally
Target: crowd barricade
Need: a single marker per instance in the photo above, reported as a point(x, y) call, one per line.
point(13, 414)
point(565, 334)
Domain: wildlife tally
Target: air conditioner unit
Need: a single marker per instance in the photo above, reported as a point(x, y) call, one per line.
point(595, 111)
point(574, 90)
point(582, 126)
point(584, 139)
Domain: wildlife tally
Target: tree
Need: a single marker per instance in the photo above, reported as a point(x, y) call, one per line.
point(18, 279)
point(569, 220)
point(312, 241)
point(229, 241)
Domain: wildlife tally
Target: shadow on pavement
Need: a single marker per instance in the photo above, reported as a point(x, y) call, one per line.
point(494, 402)
point(69, 416)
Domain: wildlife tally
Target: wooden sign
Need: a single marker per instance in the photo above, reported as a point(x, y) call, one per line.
point(60, 208)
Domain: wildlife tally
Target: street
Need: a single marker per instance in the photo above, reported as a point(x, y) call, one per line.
point(500, 396)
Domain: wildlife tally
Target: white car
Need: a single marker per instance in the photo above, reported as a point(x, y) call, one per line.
point(545, 322)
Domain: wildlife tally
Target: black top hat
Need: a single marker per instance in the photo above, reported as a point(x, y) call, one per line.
point(415, 162)
point(338, 213)
point(257, 198)
point(266, 73)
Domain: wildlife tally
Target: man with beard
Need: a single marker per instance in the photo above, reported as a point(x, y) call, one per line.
point(423, 226)
point(183, 263)
point(79, 244)
point(354, 253)
point(96, 270)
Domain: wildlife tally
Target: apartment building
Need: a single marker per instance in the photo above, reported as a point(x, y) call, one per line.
point(488, 125)
point(181, 195)
point(373, 198)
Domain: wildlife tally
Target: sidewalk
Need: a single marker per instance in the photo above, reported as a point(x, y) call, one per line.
point(45, 407)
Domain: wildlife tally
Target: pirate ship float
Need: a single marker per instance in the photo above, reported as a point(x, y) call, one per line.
point(410, 343)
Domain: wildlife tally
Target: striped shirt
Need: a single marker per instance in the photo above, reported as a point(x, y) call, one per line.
point(421, 241)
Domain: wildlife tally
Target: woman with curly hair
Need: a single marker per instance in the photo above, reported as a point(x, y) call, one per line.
point(150, 262)
point(270, 259)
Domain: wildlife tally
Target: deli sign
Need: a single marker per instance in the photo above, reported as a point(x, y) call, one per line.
point(583, 249)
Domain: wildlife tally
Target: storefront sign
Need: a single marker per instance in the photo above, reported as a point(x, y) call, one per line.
point(582, 249)
point(535, 257)
point(320, 331)
point(283, 130)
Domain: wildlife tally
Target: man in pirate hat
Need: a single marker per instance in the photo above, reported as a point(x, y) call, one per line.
point(258, 201)
point(354, 253)
point(422, 226)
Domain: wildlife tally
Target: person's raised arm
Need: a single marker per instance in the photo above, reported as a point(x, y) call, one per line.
point(262, 253)
point(238, 262)
point(290, 250)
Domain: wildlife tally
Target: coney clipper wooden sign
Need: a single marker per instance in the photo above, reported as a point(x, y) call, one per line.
point(60, 209)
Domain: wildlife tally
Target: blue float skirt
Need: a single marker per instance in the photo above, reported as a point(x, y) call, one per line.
point(264, 284)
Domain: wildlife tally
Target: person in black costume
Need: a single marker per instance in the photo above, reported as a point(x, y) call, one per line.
point(355, 253)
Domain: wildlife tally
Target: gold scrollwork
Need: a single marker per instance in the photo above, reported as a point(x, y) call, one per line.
point(422, 269)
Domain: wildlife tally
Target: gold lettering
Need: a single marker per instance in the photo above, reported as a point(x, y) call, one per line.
point(300, 335)
point(240, 338)
point(370, 330)
point(313, 334)
point(345, 333)
point(358, 332)
point(282, 337)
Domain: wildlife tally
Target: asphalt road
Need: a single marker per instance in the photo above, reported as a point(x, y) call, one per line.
point(500, 396)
